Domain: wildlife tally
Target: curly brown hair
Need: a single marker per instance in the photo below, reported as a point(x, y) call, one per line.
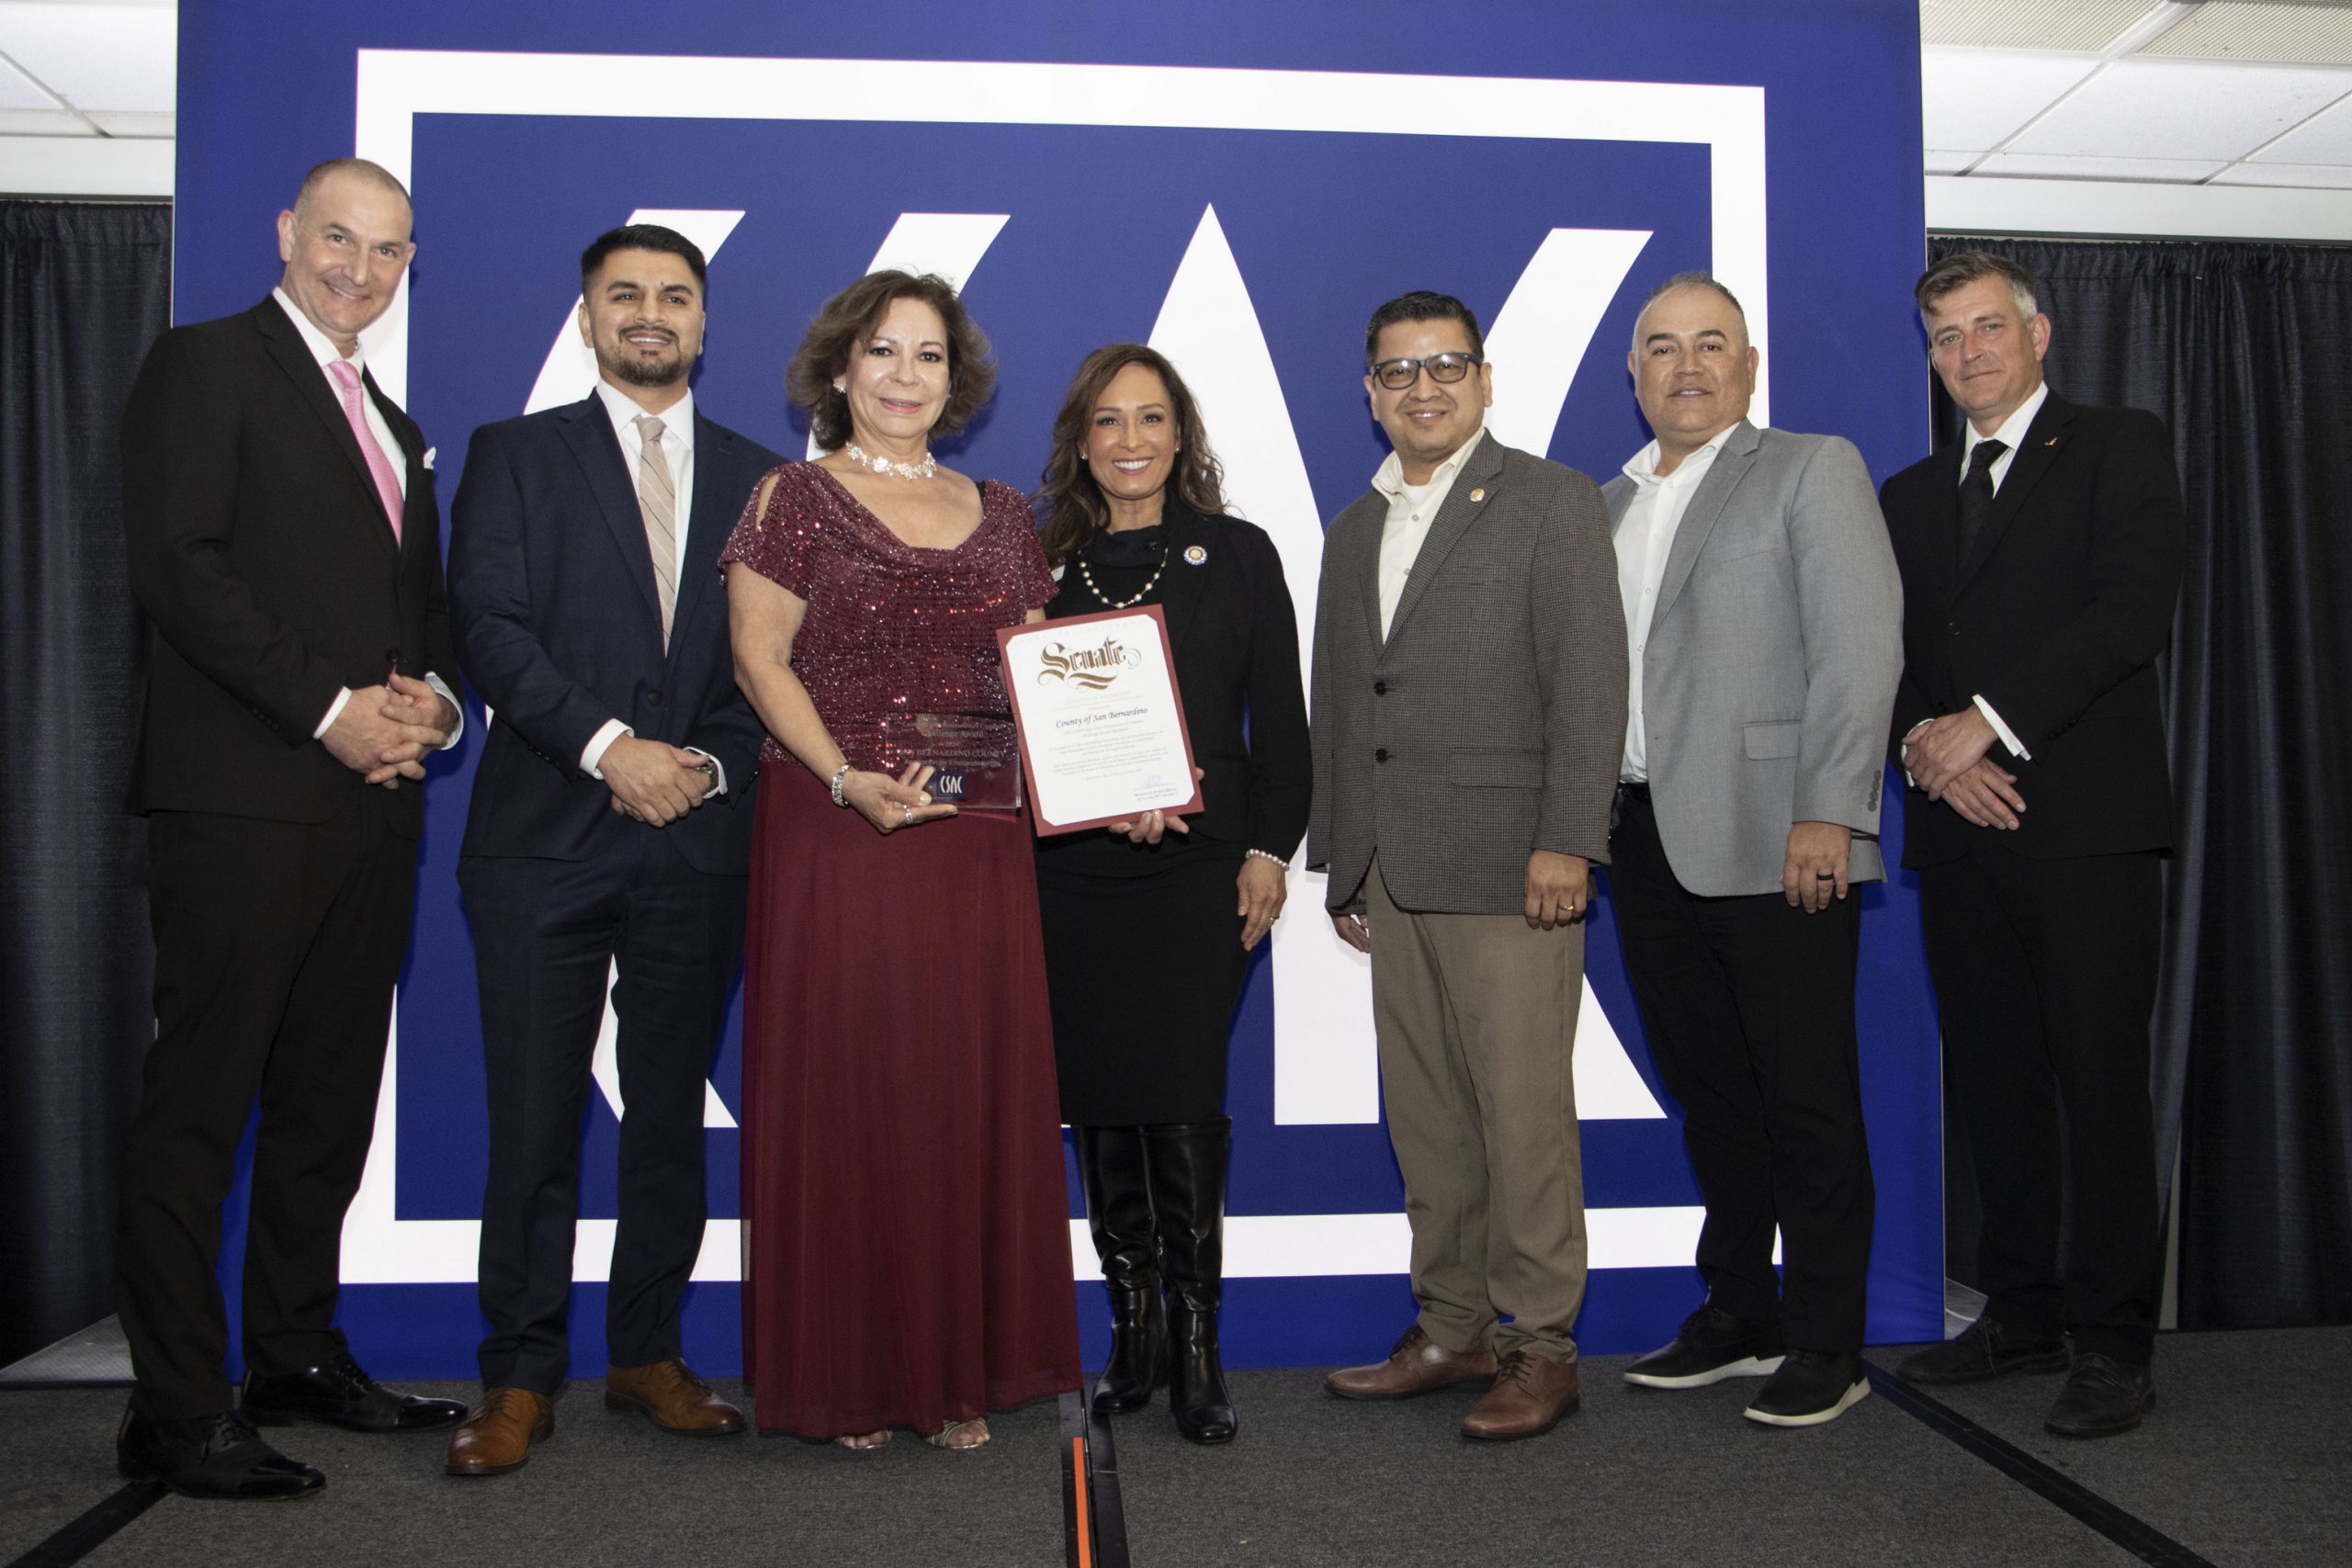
point(1069, 500)
point(851, 317)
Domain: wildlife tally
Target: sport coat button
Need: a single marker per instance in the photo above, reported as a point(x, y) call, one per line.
point(1380, 755)
point(392, 658)
point(654, 698)
point(1380, 688)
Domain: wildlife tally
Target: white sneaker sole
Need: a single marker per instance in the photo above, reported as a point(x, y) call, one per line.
point(1845, 1401)
point(1746, 1367)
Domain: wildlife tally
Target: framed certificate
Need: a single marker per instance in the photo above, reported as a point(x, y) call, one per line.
point(1100, 721)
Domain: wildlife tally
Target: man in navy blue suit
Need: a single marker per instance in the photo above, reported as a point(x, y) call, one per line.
point(610, 830)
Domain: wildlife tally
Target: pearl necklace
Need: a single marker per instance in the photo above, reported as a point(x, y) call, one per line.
point(921, 470)
point(1166, 543)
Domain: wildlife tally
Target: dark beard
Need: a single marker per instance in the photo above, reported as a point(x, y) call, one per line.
point(646, 373)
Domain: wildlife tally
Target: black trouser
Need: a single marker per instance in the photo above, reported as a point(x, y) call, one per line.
point(1748, 1004)
point(546, 936)
point(277, 948)
point(2045, 975)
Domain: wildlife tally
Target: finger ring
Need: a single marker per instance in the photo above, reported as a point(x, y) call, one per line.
point(906, 813)
point(1824, 876)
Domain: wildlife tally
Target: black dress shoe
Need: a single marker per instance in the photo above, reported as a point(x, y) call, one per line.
point(1984, 1349)
point(1711, 1346)
point(341, 1394)
point(1812, 1387)
point(210, 1456)
point(2102, 1397)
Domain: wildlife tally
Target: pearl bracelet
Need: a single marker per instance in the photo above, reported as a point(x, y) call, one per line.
point(840, 773)
point(1279, 864)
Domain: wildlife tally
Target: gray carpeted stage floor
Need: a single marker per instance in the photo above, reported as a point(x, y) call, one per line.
point(2248, 1460)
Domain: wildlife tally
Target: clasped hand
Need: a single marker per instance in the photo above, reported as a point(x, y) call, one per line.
point(384, 732)
point(1946, 757)
point(653, 782)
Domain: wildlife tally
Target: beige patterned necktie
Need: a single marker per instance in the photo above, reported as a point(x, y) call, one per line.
point(657, 497)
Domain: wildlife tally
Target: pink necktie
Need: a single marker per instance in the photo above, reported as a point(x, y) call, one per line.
point(387, 484)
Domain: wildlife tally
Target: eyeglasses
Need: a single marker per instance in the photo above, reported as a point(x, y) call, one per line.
point(1446, 368)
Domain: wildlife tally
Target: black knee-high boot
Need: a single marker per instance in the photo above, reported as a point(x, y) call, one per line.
point(1112, 1170)
point(1188, 1166)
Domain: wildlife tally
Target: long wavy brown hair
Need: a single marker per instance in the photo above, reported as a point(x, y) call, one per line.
point(1067, 496)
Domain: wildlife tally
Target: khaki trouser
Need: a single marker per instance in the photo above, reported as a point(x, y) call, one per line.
point(1476, 1021)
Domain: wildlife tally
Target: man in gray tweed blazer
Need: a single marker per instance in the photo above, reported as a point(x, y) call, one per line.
point(1469, 705)
point(1765, 619)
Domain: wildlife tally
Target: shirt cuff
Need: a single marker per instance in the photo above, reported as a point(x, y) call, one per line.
point(1904, 747)
point(718, 772)
point(600, 743)
point(2008, 736)
point(447, 695)
point(334, 711)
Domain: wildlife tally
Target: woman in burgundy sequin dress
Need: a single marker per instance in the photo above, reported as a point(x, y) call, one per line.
point(907, 1257)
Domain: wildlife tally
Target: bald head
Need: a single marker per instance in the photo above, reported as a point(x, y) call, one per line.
point(359, 169)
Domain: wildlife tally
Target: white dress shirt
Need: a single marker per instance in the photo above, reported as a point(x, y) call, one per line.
point(1411, 510)
point(2011, 434)
point(1643, 540)
point(323, 350)
point(678, 452)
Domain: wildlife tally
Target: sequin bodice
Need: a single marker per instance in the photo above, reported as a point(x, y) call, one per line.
point(892, 629)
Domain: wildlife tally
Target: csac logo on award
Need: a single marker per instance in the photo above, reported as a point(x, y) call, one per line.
point(1095, 668)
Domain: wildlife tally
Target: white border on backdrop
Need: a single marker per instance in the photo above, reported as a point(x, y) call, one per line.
point(396, 85)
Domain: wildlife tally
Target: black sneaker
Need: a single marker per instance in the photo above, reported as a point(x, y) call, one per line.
point(1812, 1387)
point(1712, 1345)
point(210, 1456)
point(1984, 1349)
point(2102, 1397)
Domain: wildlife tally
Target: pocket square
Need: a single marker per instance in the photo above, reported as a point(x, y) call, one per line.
point(430, 452)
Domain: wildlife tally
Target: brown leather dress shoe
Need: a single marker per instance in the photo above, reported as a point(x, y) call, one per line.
point(676, 1399)
point(496, 1434)
point(1529, 1397)
point(1417, 1365)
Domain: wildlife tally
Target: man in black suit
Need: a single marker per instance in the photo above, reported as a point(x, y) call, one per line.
point(285, 548)
point(611, 826)
point(2041, 560)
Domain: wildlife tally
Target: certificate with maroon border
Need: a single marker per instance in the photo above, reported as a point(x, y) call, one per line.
point(1102, 723)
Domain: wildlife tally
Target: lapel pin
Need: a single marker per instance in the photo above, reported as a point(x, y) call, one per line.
point(1194, 555)
point(2051, 442)
point(1476, 496)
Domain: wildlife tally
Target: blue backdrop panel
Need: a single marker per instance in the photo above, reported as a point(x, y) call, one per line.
point(1321, 223)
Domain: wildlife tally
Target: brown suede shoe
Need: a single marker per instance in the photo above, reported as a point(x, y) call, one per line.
point(496, 1434)
point(1417, 1365)
point(1529, 1397)
point(676, 1399)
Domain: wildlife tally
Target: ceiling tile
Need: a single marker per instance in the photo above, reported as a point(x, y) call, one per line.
point(2044, 165)
point(2325, 138)
point(99, 57)
point(2180, 108)
point(2303, 34)
point(19, 92)
point(136, 122)
point(2321, 177)
point(2029, 24)
point(44, 122)
point(1977, 97)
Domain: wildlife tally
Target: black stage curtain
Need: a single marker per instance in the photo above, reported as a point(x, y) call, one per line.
point(2245, 350)
point(84, 289)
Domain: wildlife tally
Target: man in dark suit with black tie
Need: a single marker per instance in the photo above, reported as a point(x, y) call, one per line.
point(2042, 558)
point(285, 546)
point(611, 827)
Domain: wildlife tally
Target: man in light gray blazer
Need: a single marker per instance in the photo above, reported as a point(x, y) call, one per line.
point(1765, 620)
point(1469, 704)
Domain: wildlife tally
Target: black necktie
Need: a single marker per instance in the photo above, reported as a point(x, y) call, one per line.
point(1976, 493)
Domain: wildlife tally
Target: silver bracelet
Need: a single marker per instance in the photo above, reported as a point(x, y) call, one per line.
point(1279, 864)
point(840, 773)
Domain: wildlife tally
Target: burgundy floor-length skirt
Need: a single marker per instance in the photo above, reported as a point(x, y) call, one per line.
point(907, 1254)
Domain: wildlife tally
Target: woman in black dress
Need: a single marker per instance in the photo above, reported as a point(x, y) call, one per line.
point(1133, 515)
